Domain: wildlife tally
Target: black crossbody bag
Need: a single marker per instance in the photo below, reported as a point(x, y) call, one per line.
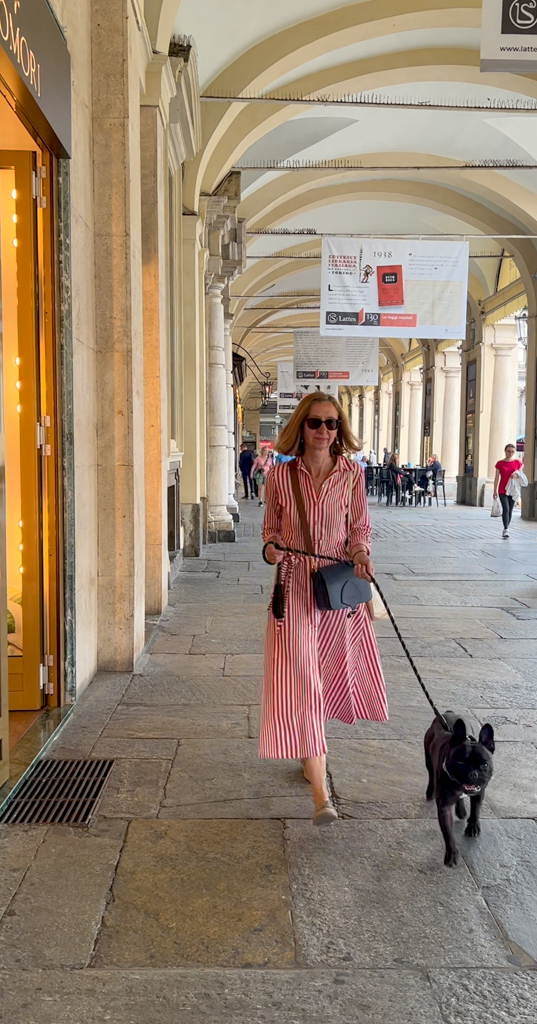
point(335, 586)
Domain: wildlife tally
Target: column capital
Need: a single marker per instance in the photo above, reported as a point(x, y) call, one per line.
point(415, 384)
point(451, 371)
point(215, 286)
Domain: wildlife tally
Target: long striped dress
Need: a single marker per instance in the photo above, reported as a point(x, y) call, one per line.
point(317, 665)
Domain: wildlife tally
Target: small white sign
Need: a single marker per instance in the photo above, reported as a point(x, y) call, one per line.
point(287, 400)
point(324, 364)
point(509, 36)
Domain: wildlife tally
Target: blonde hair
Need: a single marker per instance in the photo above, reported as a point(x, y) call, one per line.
point(289, 441)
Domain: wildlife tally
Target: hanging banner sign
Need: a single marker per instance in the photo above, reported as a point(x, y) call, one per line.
point(324, 364)
point(287, 397)
point(509, 36)
point(394, 288)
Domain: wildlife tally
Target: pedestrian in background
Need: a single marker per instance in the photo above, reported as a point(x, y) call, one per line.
point(505, 469)
point(259, 472)
point(317, 664)
point(246, 461)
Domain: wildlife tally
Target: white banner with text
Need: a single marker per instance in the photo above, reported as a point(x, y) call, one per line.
point(394, 288)
point(324, 364)
point(509, 36)
point(287, 397)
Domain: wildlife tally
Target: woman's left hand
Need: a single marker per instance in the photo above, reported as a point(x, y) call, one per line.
point(363, 566)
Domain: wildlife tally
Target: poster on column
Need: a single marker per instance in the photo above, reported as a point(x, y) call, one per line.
point(394, 288)
point(287, 397)
point(509, 36)
point(325, 364)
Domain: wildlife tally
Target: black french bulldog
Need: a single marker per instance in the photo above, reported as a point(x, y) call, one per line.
point(458, 766)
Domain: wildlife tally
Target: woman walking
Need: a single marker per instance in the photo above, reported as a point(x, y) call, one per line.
point(505, 469)
point(317, 664)
point(260, 469)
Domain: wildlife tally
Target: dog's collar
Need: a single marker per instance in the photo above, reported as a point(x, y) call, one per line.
point(460, 785)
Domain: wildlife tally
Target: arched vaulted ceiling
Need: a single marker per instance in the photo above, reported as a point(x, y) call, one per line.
point(420, 50)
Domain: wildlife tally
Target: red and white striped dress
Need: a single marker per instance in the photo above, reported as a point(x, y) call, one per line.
point(317, 665)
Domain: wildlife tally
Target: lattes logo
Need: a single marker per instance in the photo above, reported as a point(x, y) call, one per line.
point(519, 17)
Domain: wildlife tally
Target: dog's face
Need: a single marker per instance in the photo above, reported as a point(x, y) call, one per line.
point(469, 762)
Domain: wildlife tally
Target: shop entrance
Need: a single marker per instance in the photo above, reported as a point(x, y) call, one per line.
point(30, 649)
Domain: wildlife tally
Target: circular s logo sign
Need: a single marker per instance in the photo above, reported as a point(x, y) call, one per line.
point(523, 15)
point(331, 318)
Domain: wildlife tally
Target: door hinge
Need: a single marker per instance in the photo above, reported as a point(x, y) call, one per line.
point(41, 171)
point(37, 177)
point(44, 683)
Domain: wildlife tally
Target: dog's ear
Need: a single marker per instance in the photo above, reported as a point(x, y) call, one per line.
point(459, 733)
point(486, 737)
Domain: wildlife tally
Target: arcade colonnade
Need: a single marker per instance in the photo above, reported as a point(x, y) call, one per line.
point(186, 280)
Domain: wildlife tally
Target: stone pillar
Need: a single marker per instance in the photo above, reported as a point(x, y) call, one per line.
point(414, 422)
point(354, 412)
point(115, 48)
point(193, 355)
point(220, 519)
point(389, 419)
point(369, 410)
point(451, 420)
point(154, 280)
point(529, 494)
point(232, 505)
point(504, 393)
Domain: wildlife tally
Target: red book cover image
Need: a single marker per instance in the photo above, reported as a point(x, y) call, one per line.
point(390, 286)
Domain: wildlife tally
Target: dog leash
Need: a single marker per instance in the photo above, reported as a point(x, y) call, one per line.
point(328, 558)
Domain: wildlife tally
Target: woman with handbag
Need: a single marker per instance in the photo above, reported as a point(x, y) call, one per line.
point(317, 664)
point(504, 470)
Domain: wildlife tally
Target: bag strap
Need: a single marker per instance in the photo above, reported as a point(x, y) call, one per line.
point(295, 484)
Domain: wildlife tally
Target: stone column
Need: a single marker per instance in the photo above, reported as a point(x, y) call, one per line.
point(193, 356)
point(232, 505)
point(354, 411)
point(116, 71)
point(220, 519)
point(155, 359)
point(389, 419)
point(504, 392)
point(414, 422)
point(451, 420)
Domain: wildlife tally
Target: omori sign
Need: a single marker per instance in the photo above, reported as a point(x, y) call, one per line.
point(35, 64)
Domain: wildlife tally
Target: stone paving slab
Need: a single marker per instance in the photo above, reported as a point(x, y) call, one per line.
point(513, 789)
point(187, 665)
point(135, 789)
point(510, 723)
point(244, 665)
point(421, 647)
point(490, 997)
point(167, 643)
point(501, 648)
point(152, 749)
point(215, 777)
point(178, 722)
point(208, 996)
point(18, 847)
point(40, 929)
point(379, 778)
point(504, 863)
point(205, 893)
point(447, 627)
point(168, 690)
point(376, 894)
point(235, 640)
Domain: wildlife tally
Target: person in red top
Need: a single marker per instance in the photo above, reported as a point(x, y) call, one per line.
point(504, 469)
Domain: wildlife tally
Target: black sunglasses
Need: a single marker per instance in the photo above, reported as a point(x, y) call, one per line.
point(314, 423)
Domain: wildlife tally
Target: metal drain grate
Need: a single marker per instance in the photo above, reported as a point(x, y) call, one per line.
point(58, 792)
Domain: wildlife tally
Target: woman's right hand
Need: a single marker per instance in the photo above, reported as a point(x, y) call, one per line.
point(273, 555)
point(494, 495)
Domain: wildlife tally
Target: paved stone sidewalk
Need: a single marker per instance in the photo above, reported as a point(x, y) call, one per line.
point(202, 894)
